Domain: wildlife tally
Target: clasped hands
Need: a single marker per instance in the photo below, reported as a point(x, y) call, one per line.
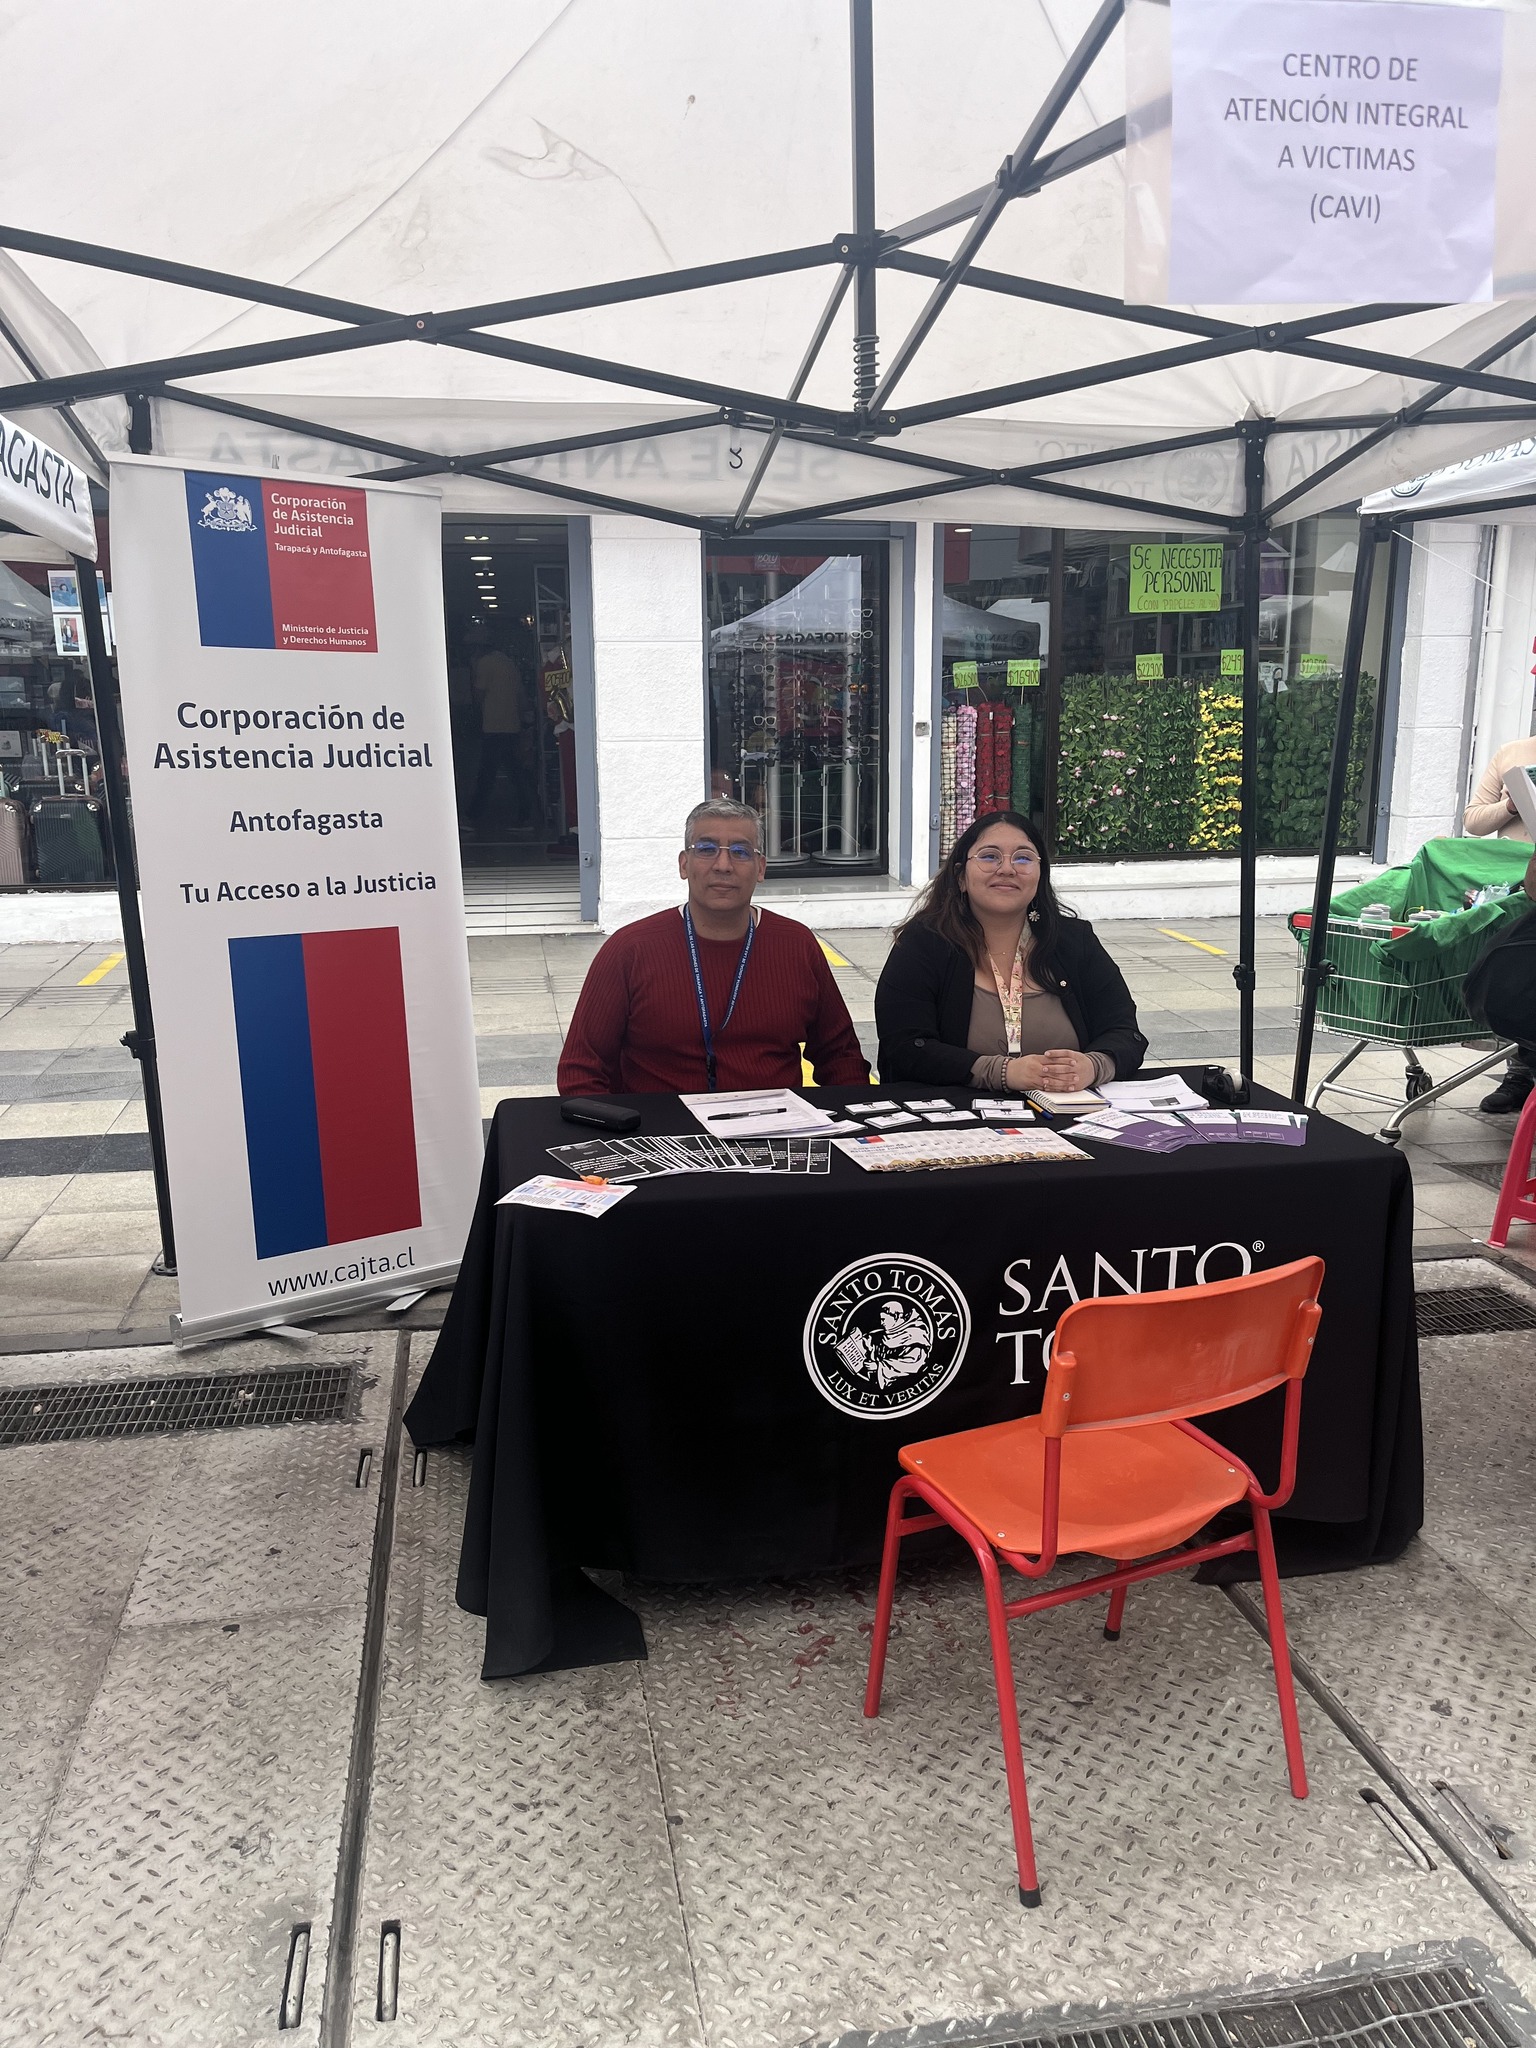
point(1057, 1072)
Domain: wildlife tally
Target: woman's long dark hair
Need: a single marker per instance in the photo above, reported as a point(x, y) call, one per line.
point(945, 908)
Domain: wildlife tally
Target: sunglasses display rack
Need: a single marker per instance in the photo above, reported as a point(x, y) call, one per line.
point(986, 748)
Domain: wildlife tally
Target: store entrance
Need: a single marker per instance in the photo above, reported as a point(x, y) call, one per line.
point(506, 596)
point(797, 690)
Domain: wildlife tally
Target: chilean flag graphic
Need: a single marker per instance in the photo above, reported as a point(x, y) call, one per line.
point(325, 1079)
point(281, 565)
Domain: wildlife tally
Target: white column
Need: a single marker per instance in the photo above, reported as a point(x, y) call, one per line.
point(1504, 683)
point(1442, 638)
point(925, 731)
point(648, 669)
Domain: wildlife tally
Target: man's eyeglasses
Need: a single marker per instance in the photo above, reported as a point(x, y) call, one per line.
point(709, 849)
point(991, 858)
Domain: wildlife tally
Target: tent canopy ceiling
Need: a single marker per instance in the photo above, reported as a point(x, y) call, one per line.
point(365, 173)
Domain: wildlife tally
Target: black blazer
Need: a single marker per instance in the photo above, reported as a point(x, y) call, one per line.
point(923, 1005)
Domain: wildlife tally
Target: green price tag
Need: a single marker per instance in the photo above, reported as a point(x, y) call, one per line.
point(1023, 675)
point(1149, 668)
point(1315, 664)
point(963, 675)
point(1182, 576)
point(1231, 661)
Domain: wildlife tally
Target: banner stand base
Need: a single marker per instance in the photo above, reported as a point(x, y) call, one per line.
point(282, 1316)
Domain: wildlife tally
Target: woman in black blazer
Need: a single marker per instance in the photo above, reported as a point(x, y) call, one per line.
point(991, 985)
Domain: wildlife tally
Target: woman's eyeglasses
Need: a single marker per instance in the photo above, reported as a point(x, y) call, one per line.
point(992, 859)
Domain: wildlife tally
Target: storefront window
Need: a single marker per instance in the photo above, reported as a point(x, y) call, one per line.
point(997, 648)
point(53, 828)
point(1122, 723)
point(797, 697)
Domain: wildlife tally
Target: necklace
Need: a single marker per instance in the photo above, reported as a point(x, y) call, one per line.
point(1011, 998)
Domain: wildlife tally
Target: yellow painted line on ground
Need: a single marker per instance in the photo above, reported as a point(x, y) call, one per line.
point(1221, 951)
point(834, 958)
point(100, 973)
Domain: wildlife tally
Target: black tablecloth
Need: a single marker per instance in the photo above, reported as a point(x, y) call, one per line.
point(637, 1389)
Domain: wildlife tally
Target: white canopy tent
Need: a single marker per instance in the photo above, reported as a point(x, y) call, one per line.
point(278, 249)
point(1499, 486)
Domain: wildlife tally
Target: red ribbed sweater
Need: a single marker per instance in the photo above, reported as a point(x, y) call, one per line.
point(636, 1028)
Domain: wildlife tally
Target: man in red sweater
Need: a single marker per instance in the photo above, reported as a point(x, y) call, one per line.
point(714, 994)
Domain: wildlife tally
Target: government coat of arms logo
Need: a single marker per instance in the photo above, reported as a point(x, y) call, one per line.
point(886, 1335)
point(225, 511)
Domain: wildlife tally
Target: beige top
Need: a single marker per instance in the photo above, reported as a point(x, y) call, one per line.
point(1044, 1026)
point(1487, 812)
point(499, 686)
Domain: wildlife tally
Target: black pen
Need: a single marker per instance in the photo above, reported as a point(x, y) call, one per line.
point(726, 1116)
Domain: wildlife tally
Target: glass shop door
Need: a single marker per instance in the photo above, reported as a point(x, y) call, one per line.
point(797, 697)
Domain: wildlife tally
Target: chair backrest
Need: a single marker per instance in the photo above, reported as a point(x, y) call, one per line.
point(1138, 1358)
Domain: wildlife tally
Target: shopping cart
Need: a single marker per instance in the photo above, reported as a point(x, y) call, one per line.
point(1395, 975)
point(1369, 995)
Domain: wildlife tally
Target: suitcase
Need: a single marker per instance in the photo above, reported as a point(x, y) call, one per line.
point(13, 844)
point(66, 835)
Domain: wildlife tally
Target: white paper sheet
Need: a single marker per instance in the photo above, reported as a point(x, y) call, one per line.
point(1164, 1092)
point(575, 1197)
point(757, 1113)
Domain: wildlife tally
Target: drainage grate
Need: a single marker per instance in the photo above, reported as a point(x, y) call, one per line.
point(1464, 1311)
point(1443, 2007)
point(1488, 1173)
point(119, 1408)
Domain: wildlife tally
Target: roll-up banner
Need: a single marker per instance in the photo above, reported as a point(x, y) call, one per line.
point(281, 658)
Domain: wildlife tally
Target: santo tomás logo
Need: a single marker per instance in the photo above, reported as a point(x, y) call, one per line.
point(886, 1335)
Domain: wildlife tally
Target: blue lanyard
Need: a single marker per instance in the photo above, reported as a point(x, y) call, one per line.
point(703, 1000)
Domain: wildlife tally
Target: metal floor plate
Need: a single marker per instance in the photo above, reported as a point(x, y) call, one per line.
point(1436, 1654)
point(713, 1849)
point(826, 1874)
point(516, 1831)
point(181, 1636)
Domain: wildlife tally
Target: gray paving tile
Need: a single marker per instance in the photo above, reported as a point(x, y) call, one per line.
point(109, 1152)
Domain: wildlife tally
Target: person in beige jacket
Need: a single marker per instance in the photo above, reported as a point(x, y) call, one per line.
point(1491, 810)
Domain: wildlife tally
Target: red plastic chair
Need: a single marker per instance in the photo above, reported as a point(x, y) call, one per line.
point(1517, 1190)
point(1112, 1466)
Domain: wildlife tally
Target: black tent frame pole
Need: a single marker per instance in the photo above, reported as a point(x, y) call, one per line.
point(1318, 969)
point(140, 1041)
point(1255, 435)
point(866, 324)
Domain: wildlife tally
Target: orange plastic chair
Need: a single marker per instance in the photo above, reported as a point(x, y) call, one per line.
point(1113, 1466)
point(1517, 1191)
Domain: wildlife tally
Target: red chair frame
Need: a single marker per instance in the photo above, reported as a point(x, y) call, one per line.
point(1517, 1190)
point(1000, 1611)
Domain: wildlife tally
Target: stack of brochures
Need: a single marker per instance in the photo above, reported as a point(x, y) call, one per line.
point(924, 1151)
point(891, 1115)
point(632, 1159)
point(1171, 1130)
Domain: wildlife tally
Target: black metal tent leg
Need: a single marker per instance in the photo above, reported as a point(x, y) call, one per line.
point(1338, 770)
point(1255, 438)
point(141, 1040)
